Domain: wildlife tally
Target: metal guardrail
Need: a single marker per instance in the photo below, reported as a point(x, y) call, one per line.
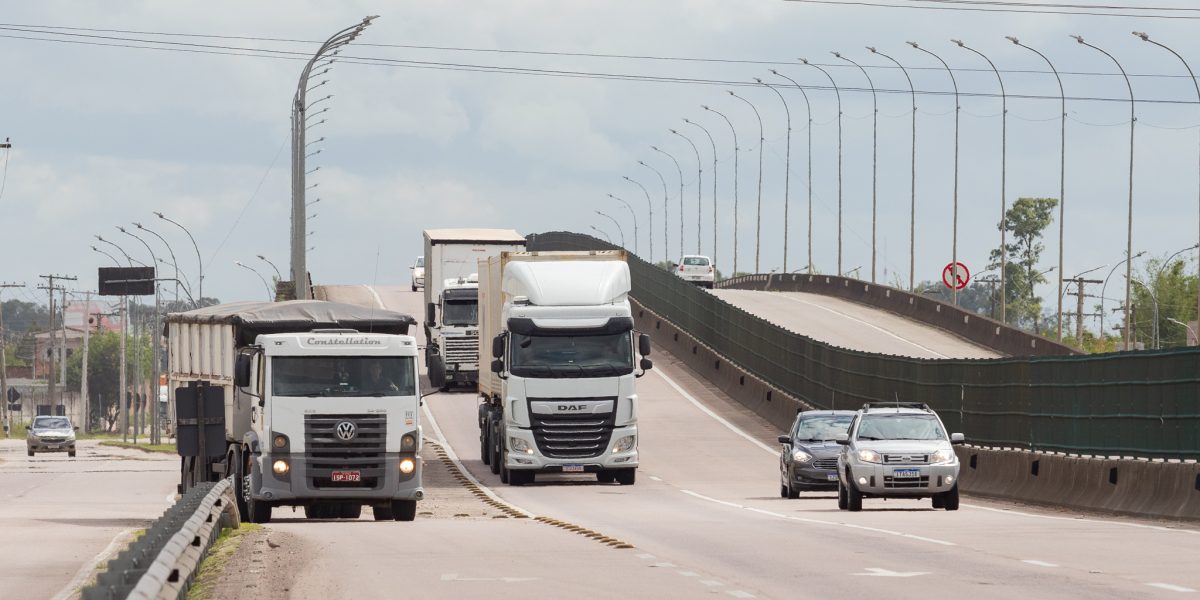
point(1141, 404)
point(163, 562)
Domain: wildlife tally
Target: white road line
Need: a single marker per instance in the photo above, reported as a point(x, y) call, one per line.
point(85, 572)
point(711, 583)
point(1171, 588)
point(1082, 520)
point(689, 573)
point(719, 418)
point(656, 478)
point(1039, 563)
point(645, 556)
point(818, 521)
point(871, 325)
point(378, 300)
point(740, 594)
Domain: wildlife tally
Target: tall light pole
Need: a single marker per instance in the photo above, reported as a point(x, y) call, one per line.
point(330, 48)
point(1191, 332)
point(912, 218)
point(155, 338)
point(787, 167)
point(874, 156)
point(758, 219)
point(171, 251)
point(736, 150)
point(614, 222)
point(699, 212)
point(666, 212)
point(264, 259)
point(1003, 181)
point(699, 179)
point(1062, 176)
point(1129, 223)
point(270, 296)
point(679, 171)
point(954, 226)
point(1104, 288)
point(839, 121)
point(1192, 76)
point(633, 216)
point(808, 109)
point(650, 209)
point(607, 238)
point(199, 262)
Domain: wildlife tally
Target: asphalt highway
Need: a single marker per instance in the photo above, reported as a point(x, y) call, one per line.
point(705, 518)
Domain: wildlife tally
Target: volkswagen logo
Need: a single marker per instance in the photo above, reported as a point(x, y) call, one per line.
point(345, 431)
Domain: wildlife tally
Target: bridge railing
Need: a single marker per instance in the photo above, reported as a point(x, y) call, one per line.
point(1142, 404)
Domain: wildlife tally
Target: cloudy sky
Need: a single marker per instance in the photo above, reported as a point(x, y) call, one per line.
point(104, 135)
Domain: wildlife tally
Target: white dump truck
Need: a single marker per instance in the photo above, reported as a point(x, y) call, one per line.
point(451, 299)
point(559, 396)
point(320, 406)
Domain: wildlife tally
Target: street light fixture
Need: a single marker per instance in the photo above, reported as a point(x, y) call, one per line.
point(1104, 288)
point(1191, 332)
point(199, 262)
point(270, 296)
point(714, 195)
point(614, 222)
point(650, 209)
point(839, 121)
point(912, 219)
point(736, 151)
point(633, 216)
point(758, 219)
point(601, 232)
point(787, 167)
point(171, 251)
point(874, 155)
point(807, 109)
point(264, 259)
point(699, 180)
point(679, 171)
point(666, 212)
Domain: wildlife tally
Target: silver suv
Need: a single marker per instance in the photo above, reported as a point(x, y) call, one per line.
point(897, 450)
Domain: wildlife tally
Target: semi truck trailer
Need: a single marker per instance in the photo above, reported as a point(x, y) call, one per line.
point(320, 406)
point(451, 305)
point(559, 396)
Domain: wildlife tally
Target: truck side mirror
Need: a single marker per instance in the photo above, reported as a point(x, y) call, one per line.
point(644, 345)
point(497, 366)
point(241, 371)
point(430, 314)
point(498, 347)
point(646, 364)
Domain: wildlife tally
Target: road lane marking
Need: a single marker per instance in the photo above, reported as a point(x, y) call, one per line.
point(457, 577)
point(656, 478)
point(818, 521)
point(378, 300)
point(85, 572)
point(1171, 588)
point(877, 572)
point(1039, 563)
point(710, 583)
point(719, 418)
point(689, 573)
point(645, 556)
point(867, 324)
point(1083, 520)
point(740, 594)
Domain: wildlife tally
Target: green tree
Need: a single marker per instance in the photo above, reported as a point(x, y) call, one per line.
point(1024, 221)
point(978, 297)
point(104, 367)
point(1174, 291)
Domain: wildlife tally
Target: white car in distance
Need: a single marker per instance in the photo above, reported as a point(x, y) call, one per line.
point(418, 273)
point(696, 269)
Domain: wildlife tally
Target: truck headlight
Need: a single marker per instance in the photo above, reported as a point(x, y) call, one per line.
point(280, 467)
point(280, 440)
point(407, 465)
point(625, 444)
point(519, 445)
point(869, 456)
point(942, 456)
point(408, 442)
point(801, 456)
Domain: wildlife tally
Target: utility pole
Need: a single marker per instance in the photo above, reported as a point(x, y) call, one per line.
point(51, 388)
point(4, 359)
point(83, 374)
point(1080, 282)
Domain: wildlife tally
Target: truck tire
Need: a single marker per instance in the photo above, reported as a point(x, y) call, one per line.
point(239, 482)
point(260, 512)
point(626, 476)
point(350, 510)
point(437, 372)
point(383, 512)
point(605, 476)
point(29, 452)
point(497, 463)
point(404, 510)
point(485, 452)
point(520, 477)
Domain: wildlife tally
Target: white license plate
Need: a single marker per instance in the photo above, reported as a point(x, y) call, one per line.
point(572, 468)
point(831, 477)
point(347, 476)
point(906, 473)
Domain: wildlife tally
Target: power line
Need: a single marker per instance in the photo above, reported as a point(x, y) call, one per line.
point(1052, 5)
point(993, 10)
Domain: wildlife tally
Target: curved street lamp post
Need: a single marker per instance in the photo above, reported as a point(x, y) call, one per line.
point(787, 167)
point(837, 91)
point(758, 219)
point(714, 194)
point(650, 209)
point(808, 109)
point(699, 178)
point(912, 219)
point(736, 150)
point(633, 216)
point(874, 155)
point(680, 172)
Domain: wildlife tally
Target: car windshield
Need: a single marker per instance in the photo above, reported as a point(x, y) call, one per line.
point(900, 427)
point(460, 313)
point(820, 428)
point(51, 423)
point(572, 355)
point(313, 376)
point(421, 261)
point(695, 261)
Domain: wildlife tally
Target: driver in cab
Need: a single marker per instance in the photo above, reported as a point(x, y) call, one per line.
point(375, 382)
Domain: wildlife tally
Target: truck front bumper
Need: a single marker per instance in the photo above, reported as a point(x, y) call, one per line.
point(895, 481)
point(608, 459)
point(298, 486)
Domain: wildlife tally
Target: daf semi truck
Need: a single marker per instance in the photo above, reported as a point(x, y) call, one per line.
point(559, 396)
point(451, 300)
point(321, 406)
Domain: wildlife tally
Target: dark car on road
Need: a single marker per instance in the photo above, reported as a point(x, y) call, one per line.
point(809, 458)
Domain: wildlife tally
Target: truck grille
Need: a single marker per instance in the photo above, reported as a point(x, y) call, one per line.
point(905, 459)
point(573, 436)
point(461, 350)
point(325, 452)
point(826, 464)
point(905, 482)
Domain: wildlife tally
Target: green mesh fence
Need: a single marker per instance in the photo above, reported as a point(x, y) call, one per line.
point(1144, 404)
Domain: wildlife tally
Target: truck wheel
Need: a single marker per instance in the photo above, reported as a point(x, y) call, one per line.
point(437, 372)
point(414, 287)
point(383, 512)
point(240, 483)
point(843, 501)
point(950, 498)
point(29, 452)
point(853, 498)
point(626, 476)
point(520, 477)
point(494, 441)
point(605, 476)
point(405, 510)
point(485, 453)
point(260, 512)
point(350, 510)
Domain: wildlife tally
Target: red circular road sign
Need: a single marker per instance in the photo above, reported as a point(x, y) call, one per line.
point(956, 276)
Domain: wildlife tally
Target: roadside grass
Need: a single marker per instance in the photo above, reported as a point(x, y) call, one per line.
point(143, 446)
point(213, 567)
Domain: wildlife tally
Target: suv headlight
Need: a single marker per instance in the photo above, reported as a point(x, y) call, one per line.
point(801, 456)
point(942, 456)
point(519, 445)
point(624, 444)
point(869, 456)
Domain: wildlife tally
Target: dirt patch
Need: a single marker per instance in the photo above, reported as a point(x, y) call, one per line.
point(250, 562)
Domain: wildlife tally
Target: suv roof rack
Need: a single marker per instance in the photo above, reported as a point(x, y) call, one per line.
point(914, 405)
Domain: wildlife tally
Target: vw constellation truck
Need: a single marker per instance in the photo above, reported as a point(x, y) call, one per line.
point(451, 307)
point(559, 396)
point(320, 406)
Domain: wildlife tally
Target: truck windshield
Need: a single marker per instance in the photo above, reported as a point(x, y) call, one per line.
point(900, 427)
point(572, 355)
point(459, 314)
point(313, 376)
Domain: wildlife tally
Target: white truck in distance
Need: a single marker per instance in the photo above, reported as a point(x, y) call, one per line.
point(559, 396)
point(320, 406)
point(451, 299)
